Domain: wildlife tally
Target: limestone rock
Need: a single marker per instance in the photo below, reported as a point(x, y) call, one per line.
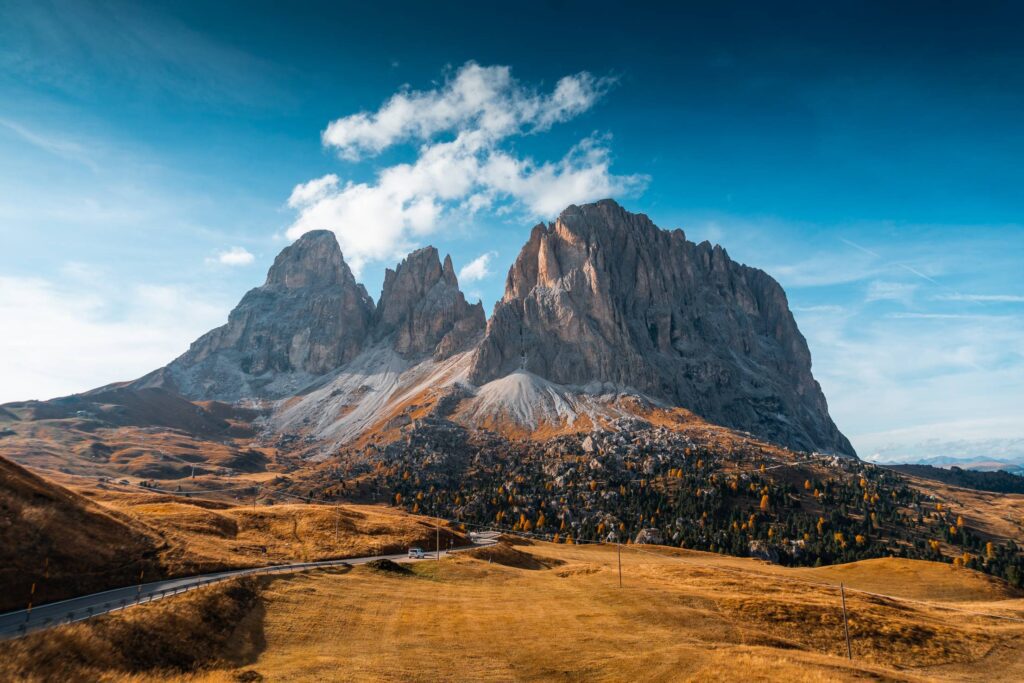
point(308, 318)
point(423, 312)
point(650, 536)
point(604, 295)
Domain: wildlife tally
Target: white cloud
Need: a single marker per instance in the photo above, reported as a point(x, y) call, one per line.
point(467, 171)
point(235, 256)
point(908, 384)
point(983, 298)
point(999, 437)
point(882, 290)
point(312, 191)
point(477, 269)
point(87, 334)
point(481, 98)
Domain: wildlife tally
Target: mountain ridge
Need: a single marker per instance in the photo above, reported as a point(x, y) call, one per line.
point(599, 304)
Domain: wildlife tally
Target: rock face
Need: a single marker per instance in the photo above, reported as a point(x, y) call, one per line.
point(423, 311)
point(308, 318)
point(604, 295)
point(311, 318)
point(599, 304)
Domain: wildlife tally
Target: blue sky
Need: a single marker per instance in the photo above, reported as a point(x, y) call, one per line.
point(153, 160)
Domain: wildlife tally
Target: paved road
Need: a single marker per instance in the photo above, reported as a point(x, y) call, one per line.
point(14, 624)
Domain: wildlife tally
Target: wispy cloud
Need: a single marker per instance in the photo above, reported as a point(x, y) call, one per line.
point(57, 145)
point(884, 290)
point(982, 298)
point(77, 336)
point(85, 47)
point(940, 316)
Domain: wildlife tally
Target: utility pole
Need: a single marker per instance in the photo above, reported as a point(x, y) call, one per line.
point(846, 627)
point(437, 538)
point(618, 546)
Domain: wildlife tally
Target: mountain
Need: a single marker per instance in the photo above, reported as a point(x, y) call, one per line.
point(604, 316)
point(604, 296)
point(308, 318)
point(422, 309)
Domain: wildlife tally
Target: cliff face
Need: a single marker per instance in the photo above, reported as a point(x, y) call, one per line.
point(604, 295)
point(422, 309)
point(309, 317)
point(601, 298)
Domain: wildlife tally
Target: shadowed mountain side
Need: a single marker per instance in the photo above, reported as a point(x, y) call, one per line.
point(604, 295)
point(63, 543)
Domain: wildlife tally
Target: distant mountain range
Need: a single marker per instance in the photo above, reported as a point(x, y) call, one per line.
point(599, 306)
point(981, 464)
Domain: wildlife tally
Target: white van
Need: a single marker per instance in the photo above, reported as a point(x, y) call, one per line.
point(416, 554)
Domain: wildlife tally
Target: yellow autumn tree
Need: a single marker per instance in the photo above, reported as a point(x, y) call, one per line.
point(764, 502)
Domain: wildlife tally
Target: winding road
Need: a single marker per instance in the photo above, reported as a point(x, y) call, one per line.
point(21, 622)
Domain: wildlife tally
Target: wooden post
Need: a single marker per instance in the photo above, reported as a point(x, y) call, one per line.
point(846, 626)
point(437, 538)
point(618, 546)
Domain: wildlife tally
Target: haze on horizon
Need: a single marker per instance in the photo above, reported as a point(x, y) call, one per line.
point(155, 160)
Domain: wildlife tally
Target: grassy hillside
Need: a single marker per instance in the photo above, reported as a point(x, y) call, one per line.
point(71, 544)
point(64, 543)
point(205, 535)
point(541, 612)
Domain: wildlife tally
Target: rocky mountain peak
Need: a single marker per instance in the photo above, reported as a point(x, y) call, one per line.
point(314, 259)
point(310, 317)
point(423, 311)
point(604, 295)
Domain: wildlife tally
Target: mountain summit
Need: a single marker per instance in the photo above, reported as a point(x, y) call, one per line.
point(599, 304)
point(308, 318)
point(604, 295)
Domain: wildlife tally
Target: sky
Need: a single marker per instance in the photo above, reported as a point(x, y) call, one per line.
point(155, 157)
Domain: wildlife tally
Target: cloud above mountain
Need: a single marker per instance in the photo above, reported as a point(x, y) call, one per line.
point(477, 269)
point(464, 161)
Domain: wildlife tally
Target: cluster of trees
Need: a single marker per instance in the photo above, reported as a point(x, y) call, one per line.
point(997, 482)
point(733, 499)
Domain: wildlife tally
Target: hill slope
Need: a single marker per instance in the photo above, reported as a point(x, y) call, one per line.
point(64, 543)
point(528, 611)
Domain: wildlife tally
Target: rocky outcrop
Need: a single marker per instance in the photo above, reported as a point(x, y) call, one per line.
point(311, 318)
point(308, 318)
point(604, 295)
point(423, 312)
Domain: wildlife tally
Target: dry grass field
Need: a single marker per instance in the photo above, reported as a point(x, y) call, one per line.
point(72, 543)
point(205, 535)
point(539, 612)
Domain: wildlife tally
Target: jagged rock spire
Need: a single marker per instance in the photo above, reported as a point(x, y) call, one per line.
point(422, 311)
